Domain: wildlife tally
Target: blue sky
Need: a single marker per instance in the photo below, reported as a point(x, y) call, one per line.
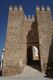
point(29, 8)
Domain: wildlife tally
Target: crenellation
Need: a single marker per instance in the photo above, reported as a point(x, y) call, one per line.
point(42, 8)
point(15, 8)
point(33, 17)
point(10, 7)
point(37, 8)
point(48, 13)
point(20, 7)
point(25, 17)
point(29, 17)
point(48, 8)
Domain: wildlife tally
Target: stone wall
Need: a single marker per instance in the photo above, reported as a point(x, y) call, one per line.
point(45, 29)
point(13, 57)
point(31, 36)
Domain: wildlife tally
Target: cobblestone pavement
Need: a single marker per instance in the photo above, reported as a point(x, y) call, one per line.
point(28, 74)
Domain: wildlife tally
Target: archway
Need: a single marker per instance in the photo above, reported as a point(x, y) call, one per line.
point(33, 60)
point(33, 40)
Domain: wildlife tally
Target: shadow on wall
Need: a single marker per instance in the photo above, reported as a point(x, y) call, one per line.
point(49, 71)
point(0, 72)
point(33, 40)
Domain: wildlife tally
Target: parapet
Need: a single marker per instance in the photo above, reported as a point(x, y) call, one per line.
point(33, 17)
point(29, 18)
point(25, 17)
point(48, 8)
point(37, 8)
point(20, 7)
point(15, 8)
point(12, 8)
point(42, 8)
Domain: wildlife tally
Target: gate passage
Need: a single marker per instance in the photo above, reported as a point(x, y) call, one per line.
point(35, 53)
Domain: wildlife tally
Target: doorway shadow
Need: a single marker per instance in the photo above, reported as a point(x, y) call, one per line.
point(0, 72)
point(33, 40)
point(49, 70)
point(0, 69)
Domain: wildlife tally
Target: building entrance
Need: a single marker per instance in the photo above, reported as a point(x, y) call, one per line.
point(33, 58)
point(33, 54)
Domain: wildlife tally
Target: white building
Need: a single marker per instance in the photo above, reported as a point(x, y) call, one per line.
point(2, 56)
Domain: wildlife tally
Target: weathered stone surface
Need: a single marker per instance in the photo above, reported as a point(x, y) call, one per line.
point(14, 46)
point(45, 29)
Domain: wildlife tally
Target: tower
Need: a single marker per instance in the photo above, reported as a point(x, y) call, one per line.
point(13, 57)
point(45, 30)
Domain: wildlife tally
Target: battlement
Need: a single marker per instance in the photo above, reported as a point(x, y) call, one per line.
point(12, 8)
point(15, 8)
point(37, 8)
point(48, 8)
point(29, 17)
point(42, 8)
point(20, 7)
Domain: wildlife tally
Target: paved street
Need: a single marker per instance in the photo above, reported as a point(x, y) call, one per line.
point(28, 74)
point(25, 78)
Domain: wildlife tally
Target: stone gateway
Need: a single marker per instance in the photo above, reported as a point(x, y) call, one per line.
point(24, 32)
